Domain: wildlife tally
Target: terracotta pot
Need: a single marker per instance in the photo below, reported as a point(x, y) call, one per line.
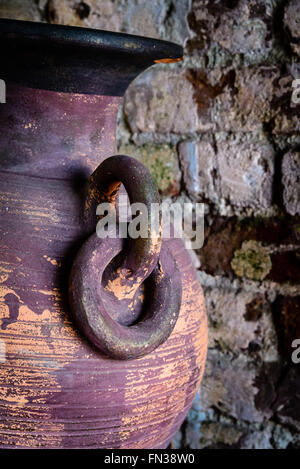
point(64, 386)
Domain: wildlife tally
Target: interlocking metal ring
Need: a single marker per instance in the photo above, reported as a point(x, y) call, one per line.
point(125, 295)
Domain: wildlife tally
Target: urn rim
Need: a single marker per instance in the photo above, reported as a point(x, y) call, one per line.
point(77, 60)
point(102, 40)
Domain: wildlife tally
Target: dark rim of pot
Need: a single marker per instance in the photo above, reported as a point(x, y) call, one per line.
point(149, 49)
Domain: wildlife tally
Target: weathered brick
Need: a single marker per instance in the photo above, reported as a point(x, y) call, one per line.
point(226, 235)
point(291, 23)
point(212, 435)
point(228, 385)
point(198, 162)
point(284, 116)
point(107, 15)
point(291, 182)
point(159, 18)
point(239, 27)
point(229, 171)
point(226, 313)
point(20, 10)
point(231, 331)
point(148, 107)
point(164, 19)
point(244, 100)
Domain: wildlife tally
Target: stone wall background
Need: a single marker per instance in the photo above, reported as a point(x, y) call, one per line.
point(221, 128)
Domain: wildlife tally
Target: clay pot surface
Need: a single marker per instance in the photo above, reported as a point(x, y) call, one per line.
point(57, 390)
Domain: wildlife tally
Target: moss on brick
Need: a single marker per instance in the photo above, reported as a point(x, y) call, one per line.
point(162, 162)
point(252, 261)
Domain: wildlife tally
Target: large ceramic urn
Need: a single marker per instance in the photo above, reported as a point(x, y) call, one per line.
point(102, 340)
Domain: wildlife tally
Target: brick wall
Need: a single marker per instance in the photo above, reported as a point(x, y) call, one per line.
point(221, 128)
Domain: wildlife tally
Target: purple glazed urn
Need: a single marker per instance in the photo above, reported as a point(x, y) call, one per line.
point(102, 342)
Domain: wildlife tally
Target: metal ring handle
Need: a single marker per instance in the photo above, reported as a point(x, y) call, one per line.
point(141, 254)
point(142, 258)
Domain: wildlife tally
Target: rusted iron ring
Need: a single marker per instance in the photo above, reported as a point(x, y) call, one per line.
point(138, 259)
